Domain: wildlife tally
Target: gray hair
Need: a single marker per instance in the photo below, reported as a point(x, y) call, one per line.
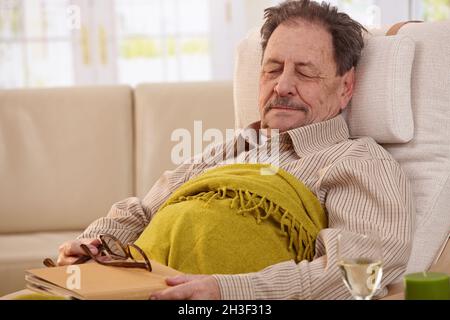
point(347, 33)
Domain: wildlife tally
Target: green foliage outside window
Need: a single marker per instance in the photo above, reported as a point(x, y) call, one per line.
point(195, 46)
point(435, 10)
point(142, 47)
point(12, 17)
point(138, 47)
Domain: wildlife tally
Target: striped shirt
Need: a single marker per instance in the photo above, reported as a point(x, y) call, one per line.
point(358, 182)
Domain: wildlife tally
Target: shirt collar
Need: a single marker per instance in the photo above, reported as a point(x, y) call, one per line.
point(308, 139)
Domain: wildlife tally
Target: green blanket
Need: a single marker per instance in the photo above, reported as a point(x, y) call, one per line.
point(234, 219)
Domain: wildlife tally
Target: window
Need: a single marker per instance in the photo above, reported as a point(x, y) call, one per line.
point(67, 42)
point(435, 10)
point(374, 13)
point(116, 41)
point(35, 44)
point(363, 11)
point(163, 40)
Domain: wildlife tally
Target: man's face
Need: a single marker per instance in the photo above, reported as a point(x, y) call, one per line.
point(298, 82)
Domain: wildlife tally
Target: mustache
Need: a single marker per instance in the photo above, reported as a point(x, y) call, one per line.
point(286, 103)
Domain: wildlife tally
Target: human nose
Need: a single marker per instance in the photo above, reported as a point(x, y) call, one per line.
point(286, 85)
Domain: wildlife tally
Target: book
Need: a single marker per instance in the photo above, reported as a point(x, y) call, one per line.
point(93, 281)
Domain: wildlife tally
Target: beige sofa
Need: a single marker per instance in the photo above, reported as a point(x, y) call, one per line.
point(67, 154)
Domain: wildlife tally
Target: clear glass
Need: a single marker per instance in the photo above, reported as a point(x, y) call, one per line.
point(113, 247)
point(360, 260)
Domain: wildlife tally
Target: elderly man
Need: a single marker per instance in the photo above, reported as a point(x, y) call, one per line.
point(310, 52)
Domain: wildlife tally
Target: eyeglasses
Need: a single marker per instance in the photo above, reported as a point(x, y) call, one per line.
point(115, 250)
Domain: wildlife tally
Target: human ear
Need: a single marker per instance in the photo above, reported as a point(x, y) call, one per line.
point(347, 88)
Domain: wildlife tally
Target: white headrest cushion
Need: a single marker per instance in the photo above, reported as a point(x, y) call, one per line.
point(381, 104)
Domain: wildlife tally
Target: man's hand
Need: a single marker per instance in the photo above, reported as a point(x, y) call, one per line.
point(70, 251)
point(189, 287)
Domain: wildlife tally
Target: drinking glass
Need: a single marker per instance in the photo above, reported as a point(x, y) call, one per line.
point(360, 260)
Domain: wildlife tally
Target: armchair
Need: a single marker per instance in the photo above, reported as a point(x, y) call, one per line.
point(402, 100)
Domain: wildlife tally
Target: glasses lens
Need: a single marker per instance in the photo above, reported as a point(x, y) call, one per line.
point(114, 247)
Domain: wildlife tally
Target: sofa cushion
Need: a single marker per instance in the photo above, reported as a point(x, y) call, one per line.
point(381, 107)
point(163, 108)
point(26, 251)
point(66, 155)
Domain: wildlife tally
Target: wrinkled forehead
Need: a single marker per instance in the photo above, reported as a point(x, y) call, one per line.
point(301, 41)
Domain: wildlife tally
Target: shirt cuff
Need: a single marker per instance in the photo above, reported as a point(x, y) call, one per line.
point(125, 236)
point(235, 287)
point(284, 280)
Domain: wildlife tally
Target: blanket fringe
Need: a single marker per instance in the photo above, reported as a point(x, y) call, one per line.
point(262, 208)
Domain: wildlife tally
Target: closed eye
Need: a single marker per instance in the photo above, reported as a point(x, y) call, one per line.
point(309, 77)
point(304, 75)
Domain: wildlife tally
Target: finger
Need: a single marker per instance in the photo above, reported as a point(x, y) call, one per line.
point(92, 244)
point(65, 260)
point(91, 241)
point(73, 248)
point(174, 281)
point(181, 292)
